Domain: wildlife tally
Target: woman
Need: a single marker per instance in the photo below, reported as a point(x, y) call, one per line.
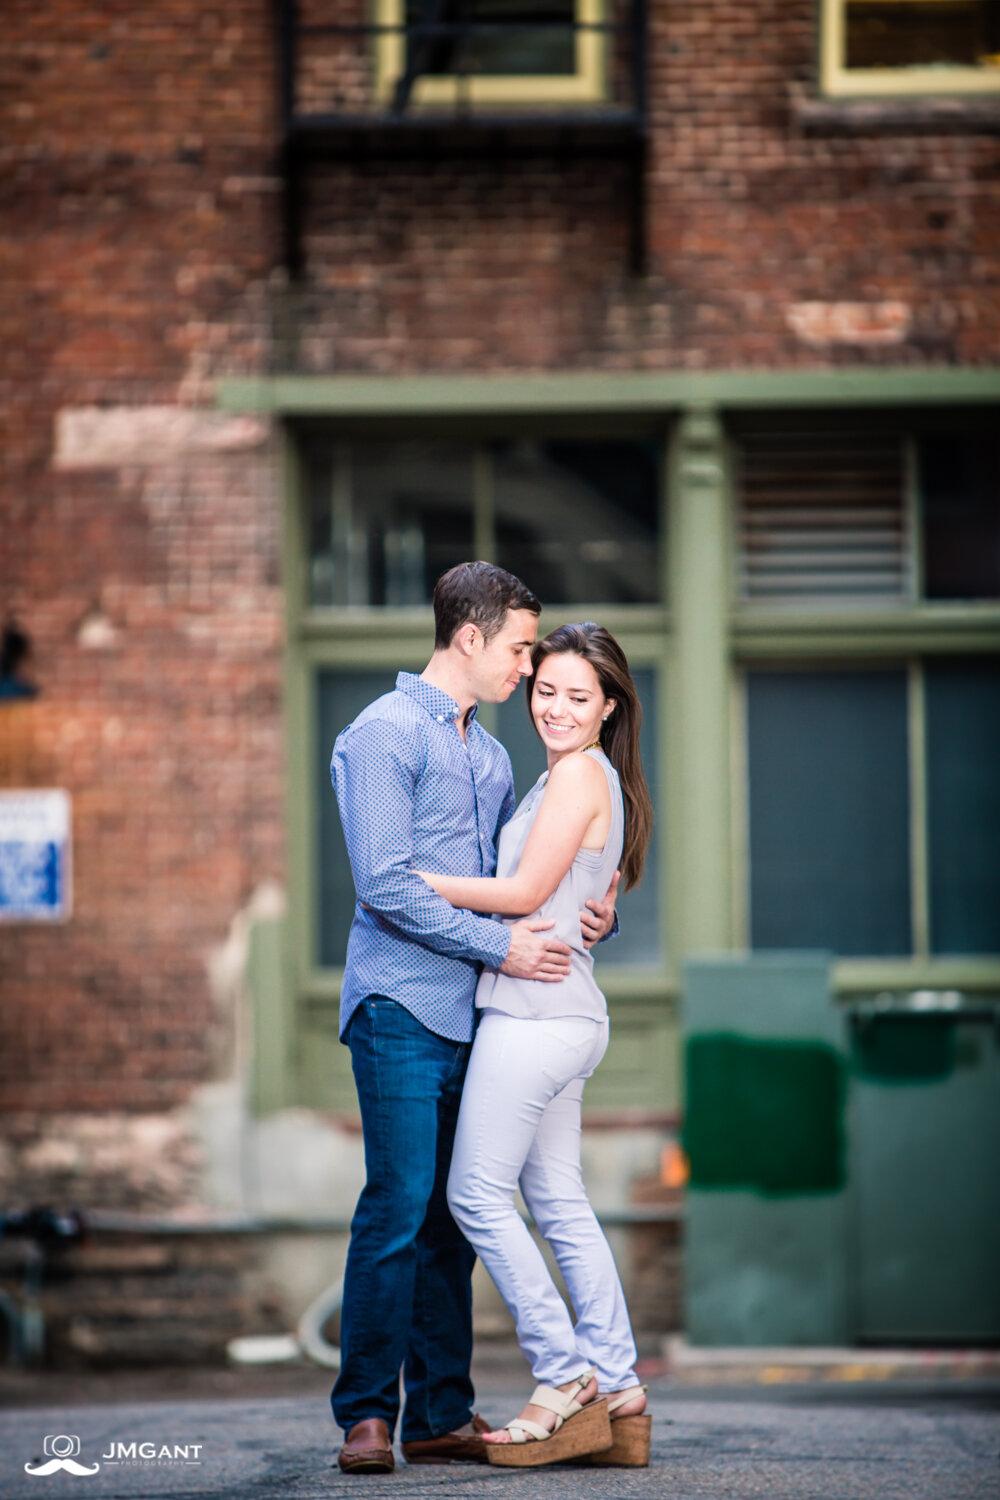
point(537, 1043)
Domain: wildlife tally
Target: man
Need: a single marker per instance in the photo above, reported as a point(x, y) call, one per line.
point(420, 784)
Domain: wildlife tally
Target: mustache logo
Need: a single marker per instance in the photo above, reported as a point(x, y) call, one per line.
point(55, 1464)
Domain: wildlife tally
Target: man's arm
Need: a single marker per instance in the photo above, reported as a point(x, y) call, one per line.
point(570, 803)
point(374, 771)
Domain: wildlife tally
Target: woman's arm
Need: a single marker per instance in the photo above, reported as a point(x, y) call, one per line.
point(575, 797)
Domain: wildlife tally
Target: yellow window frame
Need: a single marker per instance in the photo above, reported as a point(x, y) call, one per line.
point(837, 79)
point(586, 85)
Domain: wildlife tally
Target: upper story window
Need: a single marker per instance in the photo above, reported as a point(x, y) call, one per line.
point(854, 516)
point(492, 51)
point(578, 517)
point(911, 46)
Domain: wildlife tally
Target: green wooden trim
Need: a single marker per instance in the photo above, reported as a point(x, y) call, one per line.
point(739, 760)
point(394, 653)
point(903, 631)
point(320, 989)
point(920, 907)
point(355, 627)
point(665, 662)
point(698, 787)
point(861, 976)
point(301, 814)
point(361, 655)
point(570, 392)
point(273, 1018)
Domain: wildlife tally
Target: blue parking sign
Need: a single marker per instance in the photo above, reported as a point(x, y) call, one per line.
point(35, 856)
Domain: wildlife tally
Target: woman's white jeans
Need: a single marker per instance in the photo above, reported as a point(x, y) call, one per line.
point(520, 1122)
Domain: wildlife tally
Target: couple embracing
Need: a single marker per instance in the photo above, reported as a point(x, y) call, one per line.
point(457, 1115)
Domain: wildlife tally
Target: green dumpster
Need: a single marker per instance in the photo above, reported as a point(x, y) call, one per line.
point(924, 1163)
point(765, 1091)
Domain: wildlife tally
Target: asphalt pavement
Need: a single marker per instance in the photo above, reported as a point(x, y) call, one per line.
point(934, 1438)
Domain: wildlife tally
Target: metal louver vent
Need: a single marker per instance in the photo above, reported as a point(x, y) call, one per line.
point(823, 518)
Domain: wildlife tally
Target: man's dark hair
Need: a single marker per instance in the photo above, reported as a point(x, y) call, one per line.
point(481, 593)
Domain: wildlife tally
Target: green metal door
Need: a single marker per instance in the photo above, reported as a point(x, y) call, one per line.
point(925, 1170)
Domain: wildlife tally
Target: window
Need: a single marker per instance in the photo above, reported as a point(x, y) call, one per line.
point(823, 518)
point(872, 813)
point(962, 697)
point(847, 515)
point(340, 696)
point(874, 808)
point(910, 46)
point(960, 509)
point(513, 52)
point(578, 519)
point(829, 816)
point(386, 520)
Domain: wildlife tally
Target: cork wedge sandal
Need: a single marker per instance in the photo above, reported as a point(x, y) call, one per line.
point(579, 1431)
point(629, 1436)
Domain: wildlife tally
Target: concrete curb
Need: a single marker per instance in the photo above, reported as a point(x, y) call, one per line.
point(686, 1364)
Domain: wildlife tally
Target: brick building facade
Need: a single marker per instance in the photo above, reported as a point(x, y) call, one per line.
point(785, 232)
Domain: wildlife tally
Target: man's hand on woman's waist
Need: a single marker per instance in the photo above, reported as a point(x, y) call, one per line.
point(534, 953)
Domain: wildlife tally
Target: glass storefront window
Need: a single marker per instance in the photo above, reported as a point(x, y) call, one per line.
point(962, 697)
point(829, 811)
point(340, 697)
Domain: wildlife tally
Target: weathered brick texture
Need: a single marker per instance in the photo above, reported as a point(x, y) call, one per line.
point(137, 219)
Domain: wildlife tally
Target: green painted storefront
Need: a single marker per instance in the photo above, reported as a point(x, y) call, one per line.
point(766, 714)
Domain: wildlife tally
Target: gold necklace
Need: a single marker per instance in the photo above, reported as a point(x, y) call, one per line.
point(594, 744)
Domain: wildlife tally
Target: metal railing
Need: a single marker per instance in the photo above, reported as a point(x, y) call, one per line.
point(344, 96)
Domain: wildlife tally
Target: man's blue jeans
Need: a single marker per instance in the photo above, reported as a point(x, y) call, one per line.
point(408, 1283)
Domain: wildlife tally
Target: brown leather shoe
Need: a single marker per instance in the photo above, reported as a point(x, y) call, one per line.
point(368, 1449)
point(450, 1447)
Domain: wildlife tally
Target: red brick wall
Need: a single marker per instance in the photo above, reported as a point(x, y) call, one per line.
point(139, 234)
point(758, 201)
point(136, 214)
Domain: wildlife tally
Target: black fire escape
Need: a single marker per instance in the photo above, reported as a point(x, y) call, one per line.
point(340, 103)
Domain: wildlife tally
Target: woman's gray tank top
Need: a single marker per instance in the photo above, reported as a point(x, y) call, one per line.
point(587, 878)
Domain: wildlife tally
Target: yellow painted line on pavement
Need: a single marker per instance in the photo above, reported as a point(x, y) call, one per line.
point(860, 1372)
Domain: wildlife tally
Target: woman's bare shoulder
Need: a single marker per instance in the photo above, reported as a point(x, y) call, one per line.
point(576, 772)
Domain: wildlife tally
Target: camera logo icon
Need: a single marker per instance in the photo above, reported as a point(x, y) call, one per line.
point(61, 1446)
point(62, 1451)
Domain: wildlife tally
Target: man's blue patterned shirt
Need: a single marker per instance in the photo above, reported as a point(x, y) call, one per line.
point(414, 795)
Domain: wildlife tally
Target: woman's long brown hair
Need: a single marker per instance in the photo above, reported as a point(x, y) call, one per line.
point(619, 736)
